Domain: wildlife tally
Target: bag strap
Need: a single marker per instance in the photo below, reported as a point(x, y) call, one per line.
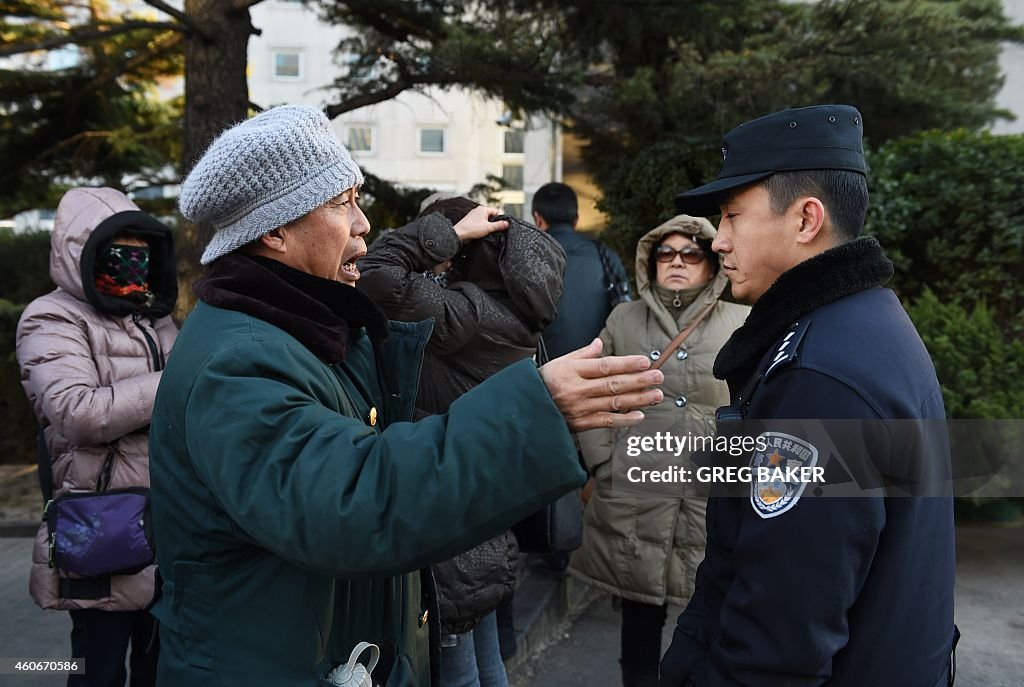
point(353, 660)
point(103, 477)
point(374, 655)
point(606, 264)
point(681, 336)
point(541, 356)
point(618, 291)
point(44, 467)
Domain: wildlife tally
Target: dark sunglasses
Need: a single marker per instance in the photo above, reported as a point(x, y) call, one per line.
point(690, 255)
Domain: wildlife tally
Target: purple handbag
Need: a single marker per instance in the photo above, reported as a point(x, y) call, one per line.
point(101, 533)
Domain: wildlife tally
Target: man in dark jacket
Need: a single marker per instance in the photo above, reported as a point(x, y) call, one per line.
point(798, 588)
point(595, 280)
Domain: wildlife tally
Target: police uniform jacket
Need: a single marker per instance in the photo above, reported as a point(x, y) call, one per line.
point(801, 590)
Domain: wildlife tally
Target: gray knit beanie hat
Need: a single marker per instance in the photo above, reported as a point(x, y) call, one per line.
point(264, 173)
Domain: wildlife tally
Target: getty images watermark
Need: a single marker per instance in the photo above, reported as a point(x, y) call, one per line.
point(778, 461)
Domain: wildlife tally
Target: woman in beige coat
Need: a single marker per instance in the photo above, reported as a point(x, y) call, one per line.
point(91, 354)
point(645, 548)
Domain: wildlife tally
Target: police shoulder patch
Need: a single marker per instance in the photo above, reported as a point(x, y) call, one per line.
point(786, 352)
point(777, 478)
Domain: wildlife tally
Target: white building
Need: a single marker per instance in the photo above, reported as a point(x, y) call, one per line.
point(444, 140)
point(452, 140)
point(1012, 62)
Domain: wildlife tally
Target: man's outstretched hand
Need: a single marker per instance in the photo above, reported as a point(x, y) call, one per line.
point(592, 391)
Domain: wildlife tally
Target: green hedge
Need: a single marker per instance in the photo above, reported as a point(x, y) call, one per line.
point(24, 275)
point(980, 369)
point(17, 441)
point(948, 207)
point(24, 265)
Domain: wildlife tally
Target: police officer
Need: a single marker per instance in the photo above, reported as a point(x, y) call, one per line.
point(798, 588)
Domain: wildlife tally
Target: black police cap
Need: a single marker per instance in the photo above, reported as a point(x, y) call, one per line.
point(819, 137)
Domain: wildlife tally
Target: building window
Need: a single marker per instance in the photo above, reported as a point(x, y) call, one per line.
point(513, 209)
point(287, 65)
point(513, 176)
point(359, 139)
point(432, 141)
point(514, 141)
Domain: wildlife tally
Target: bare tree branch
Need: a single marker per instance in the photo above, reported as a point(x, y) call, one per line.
point(180, 16)
point(83, 36)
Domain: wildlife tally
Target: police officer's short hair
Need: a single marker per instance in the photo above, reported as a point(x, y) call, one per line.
point(843, 193)
point(556, 203)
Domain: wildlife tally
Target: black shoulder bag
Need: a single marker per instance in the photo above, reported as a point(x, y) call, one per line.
point(618, 289)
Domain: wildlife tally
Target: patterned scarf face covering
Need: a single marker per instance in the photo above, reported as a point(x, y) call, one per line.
point(122, 271)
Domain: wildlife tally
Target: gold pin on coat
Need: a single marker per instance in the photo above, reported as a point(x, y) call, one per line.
point(373, 416)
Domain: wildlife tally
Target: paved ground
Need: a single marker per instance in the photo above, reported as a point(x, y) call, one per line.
point(990, 600)
point(20, 499)
point(25, 630)
point(990, 596)
point(588, 653)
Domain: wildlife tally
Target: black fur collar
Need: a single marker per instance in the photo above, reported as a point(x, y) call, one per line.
point(318, 312)
point(828, 276)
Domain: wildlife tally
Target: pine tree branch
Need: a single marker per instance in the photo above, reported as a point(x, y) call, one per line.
point(405, 81)
point(180, 16)
point(74, 140)
point(390, 91)
point(139, 59)
point(364, 99)
point(84, 36)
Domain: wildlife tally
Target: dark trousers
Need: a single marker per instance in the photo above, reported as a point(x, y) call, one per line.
point(641, 641)
point(104, 638)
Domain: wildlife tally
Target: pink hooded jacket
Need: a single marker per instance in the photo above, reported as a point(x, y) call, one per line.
point(90, 367)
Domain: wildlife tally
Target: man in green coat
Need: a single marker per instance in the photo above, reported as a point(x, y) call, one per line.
point(295, 505)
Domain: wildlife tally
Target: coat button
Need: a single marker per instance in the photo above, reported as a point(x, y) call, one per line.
point(681, 401)
point(655, 355)
point(429, 243)
point(424, 617)
point(682, 354)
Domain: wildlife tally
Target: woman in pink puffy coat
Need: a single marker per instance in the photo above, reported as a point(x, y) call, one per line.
point(91, 354)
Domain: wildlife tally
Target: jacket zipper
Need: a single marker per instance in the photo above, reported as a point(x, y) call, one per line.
point(158, 360)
